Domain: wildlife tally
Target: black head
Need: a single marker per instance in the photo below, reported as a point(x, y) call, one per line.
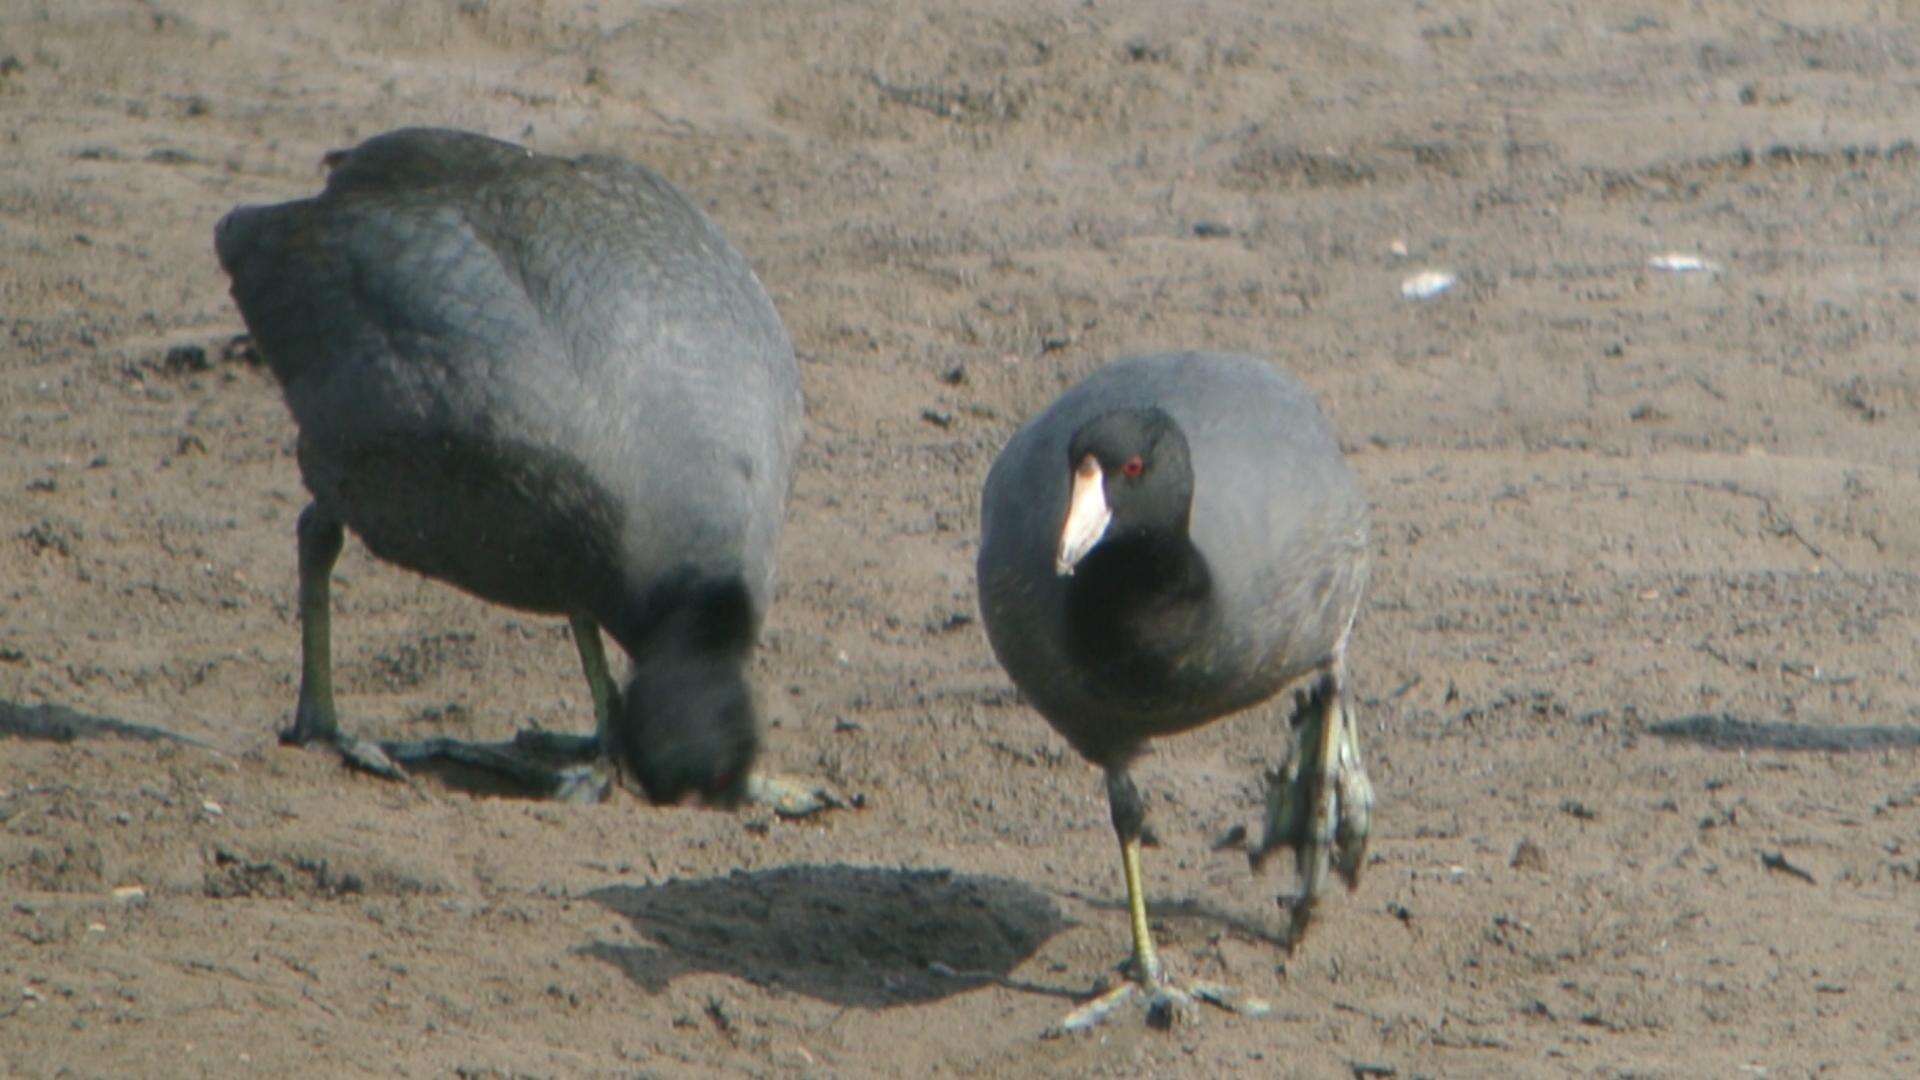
point(1132, 477)
point(686, 725)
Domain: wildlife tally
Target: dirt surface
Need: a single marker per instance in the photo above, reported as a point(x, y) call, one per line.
point(1637, 668)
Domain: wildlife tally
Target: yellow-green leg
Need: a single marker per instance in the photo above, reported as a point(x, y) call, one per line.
point(537, 759)
point(320, 538)
point(593, 663)
point(590, 782)
point(1146, 963)
point(528, 759)
point(1165, 1001)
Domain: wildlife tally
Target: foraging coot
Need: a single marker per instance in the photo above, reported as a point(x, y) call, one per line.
point(1175, 539)
point(553, 383)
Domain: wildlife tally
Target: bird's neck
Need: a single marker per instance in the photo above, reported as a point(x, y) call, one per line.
point(1135, 606)
point(684, 614)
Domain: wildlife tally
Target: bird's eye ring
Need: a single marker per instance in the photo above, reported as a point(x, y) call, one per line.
point(1134, 466)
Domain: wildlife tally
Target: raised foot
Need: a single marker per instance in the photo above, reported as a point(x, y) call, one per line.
point(1165, 1005)
point(794, 797)
point(1320, 804)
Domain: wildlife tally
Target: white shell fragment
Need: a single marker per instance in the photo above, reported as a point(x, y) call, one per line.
point(1675, 262)
point(1427, 284)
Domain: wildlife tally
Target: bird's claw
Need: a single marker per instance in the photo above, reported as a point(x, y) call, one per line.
point(517, 761)
point(532, 760)
point(368, 756)
point(794, 798)
point(1320, 804)
point(1166, 1005)
point(582, 785)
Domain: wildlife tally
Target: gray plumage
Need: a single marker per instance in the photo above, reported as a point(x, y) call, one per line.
point(1276, 515)
point(1175, 539)
point(551, 382)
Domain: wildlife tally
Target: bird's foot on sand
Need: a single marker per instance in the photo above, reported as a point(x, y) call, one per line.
point(366, 755)
point(1166, 1004)
point(793, 797)
point(566, 768)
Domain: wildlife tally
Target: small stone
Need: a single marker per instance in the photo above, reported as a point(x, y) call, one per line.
point(1427, 284)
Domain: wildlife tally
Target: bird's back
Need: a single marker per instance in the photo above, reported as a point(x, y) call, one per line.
point(520, 373)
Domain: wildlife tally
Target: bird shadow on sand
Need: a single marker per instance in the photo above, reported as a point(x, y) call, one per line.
point(862, 936)
point(1728, 732)
point(59, 724)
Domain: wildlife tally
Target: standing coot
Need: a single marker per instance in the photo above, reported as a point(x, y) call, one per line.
point(1173, 540)
point(552, 383)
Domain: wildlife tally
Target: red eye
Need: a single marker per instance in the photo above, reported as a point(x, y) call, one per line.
point(1134, 466)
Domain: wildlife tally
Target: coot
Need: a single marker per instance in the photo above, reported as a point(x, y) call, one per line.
point(550, 382)
point(1175, 539)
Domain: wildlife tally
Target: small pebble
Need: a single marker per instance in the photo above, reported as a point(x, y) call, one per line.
point(1427, 284)
point(1680, 263)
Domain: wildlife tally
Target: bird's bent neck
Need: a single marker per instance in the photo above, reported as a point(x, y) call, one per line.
point(685, 614)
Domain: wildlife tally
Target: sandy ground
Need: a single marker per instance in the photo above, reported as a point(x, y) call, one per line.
point(1637, 668)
